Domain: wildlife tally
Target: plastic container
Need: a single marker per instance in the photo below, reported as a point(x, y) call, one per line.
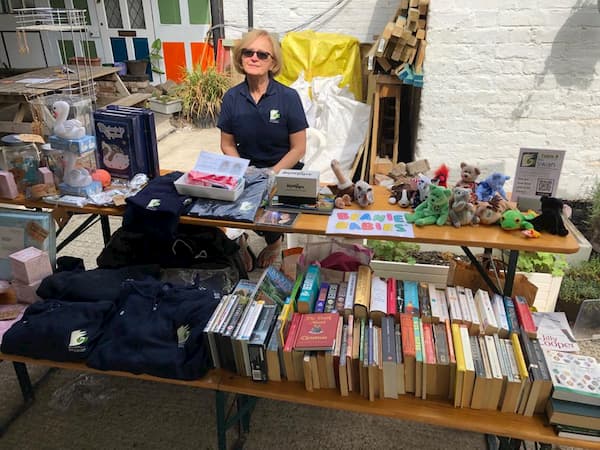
point(208, 192)
point(21, 159)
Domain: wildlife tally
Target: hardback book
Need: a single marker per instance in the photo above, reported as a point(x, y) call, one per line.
point(464, 307)
point(453, 305)
point(429, 361)
point(399, 360)
point(573, 414)
point(314, 369)
point(362, 292)
point(374, 387)
point(257, 344)
point(535, 373)
point(308, 382)
point(244, 288)
point(322, 370)
point(296, 289)
point(524, 316)
point(435, 303)
point(149, 126)
point(460, 365)
point(514, 383)
point(378, 305)
point(411, 298)
point(389, 362)
point(348, 353)
point(356, 362)
point(486, 313)
point(408, 351)
point(332, 357)
point(419, 356)
point(363, 358)
point(473, 313)
point(554, 331)
point(121, 144)
point(288, 348)
point(469, 381)
point(316, 332)
point(442, 358)
point(497, 383)
point(585, 434)
point(451, 358)
point(274, 355)
point(331, 297)
point(500, 313)
point(391, 297)
point(575, 378)
point(273, 287)
point(310, 290)
point(350, 292)
point(482, 377)
point(546, 389)
point(321, 298)
point(424, 302)
point(511, 315)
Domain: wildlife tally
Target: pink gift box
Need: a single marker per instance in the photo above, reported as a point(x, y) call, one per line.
point(26, 293)
point(8, 187)
point(30, 265)
point(46, 175)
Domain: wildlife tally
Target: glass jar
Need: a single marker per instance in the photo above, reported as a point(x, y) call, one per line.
point(22, 159)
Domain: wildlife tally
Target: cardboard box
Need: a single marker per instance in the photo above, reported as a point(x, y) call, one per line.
point(297, 183)
point(30, 265)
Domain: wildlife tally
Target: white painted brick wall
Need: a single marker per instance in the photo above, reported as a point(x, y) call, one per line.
point(499, 75)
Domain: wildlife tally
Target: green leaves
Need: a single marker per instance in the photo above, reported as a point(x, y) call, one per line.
point(394, 251)
point(581, 281)
point(202, 94)
point(542, 262)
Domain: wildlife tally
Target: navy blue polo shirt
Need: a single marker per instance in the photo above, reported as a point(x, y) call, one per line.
point(261, 131)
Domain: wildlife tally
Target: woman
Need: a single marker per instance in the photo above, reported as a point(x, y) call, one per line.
point(262, 120)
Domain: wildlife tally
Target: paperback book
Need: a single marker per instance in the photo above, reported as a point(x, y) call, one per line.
point(282, 219)
point(323, 205)
point(575, 378)
point(273, 287)
point(554, 332)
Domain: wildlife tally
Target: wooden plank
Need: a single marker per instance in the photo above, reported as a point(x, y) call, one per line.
point(132, 99)
point(396, 126)
point(15, 127)
point(119, 85)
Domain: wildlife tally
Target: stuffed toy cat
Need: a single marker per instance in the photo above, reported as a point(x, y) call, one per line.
point(550, 220)
point(494, 183)
point(434, 210)
point(462, 211)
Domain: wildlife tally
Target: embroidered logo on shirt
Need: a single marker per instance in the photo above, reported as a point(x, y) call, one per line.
point(274, 116)
point(153, 204)
point(183, 333)
point(78, 340)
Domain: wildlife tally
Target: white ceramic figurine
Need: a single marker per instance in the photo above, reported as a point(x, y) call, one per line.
point(66, 129)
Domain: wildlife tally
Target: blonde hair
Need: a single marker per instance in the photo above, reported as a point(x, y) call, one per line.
point(248, 39)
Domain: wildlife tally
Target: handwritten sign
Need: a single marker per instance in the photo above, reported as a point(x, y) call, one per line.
point(369, 223)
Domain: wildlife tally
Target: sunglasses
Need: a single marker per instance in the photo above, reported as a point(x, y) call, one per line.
point(246, 53)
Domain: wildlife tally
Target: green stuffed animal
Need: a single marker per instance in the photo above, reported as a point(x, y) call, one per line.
point(433, 210)
point(513, 219)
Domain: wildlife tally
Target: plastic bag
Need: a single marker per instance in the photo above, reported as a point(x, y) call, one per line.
point(84, 391)
point(318, 253)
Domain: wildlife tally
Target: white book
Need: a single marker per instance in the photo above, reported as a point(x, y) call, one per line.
point(475, 319)
point(486, 313)
point(500, 313)
point(435, 302)
point(453, 306)
point(443, 305)
point(350, 292)
point(464, 306)
point(378, 295)
point(493, 357)
point(502, 358)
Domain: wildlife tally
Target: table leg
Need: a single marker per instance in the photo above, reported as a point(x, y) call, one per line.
point(221, 428)
point(104, 222)
point(225, 420)
point(477, 264)
point(24, 381)
point(510, 272)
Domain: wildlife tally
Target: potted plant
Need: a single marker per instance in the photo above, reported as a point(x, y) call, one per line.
point(545, 271)
point(155, 56)
point(165, 104)
point(202, 93)
point(137, 67)
point(580, 282)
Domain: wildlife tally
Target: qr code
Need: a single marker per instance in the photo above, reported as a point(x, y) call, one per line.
point(544, 186)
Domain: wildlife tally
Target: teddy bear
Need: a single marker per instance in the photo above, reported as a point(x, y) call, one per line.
point(492, 184)
point(550, 219)
point(462, 211)
point(490, 212)
point(434, 210)
point(468, 177)
point(346, 191)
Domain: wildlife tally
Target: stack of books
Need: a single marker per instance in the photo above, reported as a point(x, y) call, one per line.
point(574, 408)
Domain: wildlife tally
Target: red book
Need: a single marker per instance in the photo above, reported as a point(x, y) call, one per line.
point(317, 332)
point(429, 345)
point(292, 332)
point(408, 337)
point(524, 316)
point(391, 297)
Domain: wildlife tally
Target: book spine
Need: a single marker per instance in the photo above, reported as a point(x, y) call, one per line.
point(486, 313)
point(444, 310)
point(378, 296)
point(350, 292)
point(511, 315)
point(435, 303)
point(453, 305)
point(465, 311)
point(399, 297)
point(296, 289)
point(411, 298)
point(424, 302)
point(408, 336)
point(363, 292)
point(519, 357)
point(309, 291)
point(458, 348)
point(442, 355)
point(477, 359)
point(388, 343)
point(350, 337)
point(340, 301)
point(449, 340)
point(331, 298)
point(321, 298)
point(473, 313)
point(429, 346)
point(391, 296)
point(524, 316)
point(500, 313)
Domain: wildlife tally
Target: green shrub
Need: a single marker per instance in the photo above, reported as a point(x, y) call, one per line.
point(542, 262)
point(581, 282)
point(394, 251)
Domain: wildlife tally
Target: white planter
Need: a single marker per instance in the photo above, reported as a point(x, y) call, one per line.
point(545, 299)
point(170, 107)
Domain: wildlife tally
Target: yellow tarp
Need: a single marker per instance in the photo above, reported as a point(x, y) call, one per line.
point(322, 55)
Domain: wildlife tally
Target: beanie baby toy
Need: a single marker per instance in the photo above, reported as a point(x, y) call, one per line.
point(490, 212)
point(440, 177)
point(434, 210)
point(492, 184)
point(346, 191)
point(550, 220)
point(513, 219)
point(462, 211)
point(468, 177)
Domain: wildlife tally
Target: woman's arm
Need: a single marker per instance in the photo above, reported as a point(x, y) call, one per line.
point(228, 146)
point(295, 154)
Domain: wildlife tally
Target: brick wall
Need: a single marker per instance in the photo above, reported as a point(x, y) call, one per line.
point(499, 75)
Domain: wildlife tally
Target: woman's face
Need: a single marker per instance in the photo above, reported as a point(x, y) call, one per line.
point(252, 55)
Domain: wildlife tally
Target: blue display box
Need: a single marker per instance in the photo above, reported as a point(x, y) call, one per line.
point(81, 145)
point(95, 187)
